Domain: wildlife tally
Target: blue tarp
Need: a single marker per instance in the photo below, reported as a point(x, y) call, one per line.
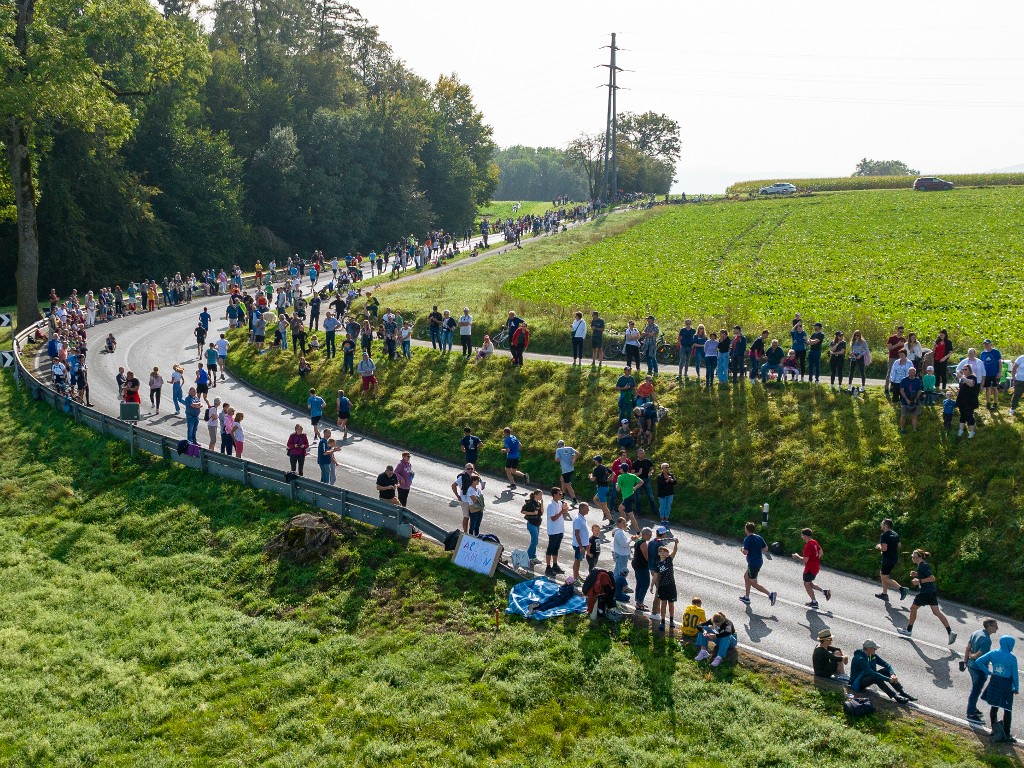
point(522, 595)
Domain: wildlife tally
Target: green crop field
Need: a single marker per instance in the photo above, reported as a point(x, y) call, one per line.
point(844, 183)
point(142, 625)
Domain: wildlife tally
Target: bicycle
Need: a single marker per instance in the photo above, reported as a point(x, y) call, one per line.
point(500, 338)
point(667, 353)
point(612, 345)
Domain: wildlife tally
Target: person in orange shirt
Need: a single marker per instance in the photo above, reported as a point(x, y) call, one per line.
point(645, 391)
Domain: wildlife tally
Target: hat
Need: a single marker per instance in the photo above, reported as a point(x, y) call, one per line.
point(870, 644)
point(930, 368)
point(987, 341)
point(825, 634)
point(560, 443)
point(661, 529)
point(624, 421)
point(598, 457)
point(839, 333)
point(570, 580)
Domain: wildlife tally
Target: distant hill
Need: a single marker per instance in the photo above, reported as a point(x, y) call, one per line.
point(1009, 169)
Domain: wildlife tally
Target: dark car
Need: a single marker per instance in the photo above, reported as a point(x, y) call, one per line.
point(932, 184)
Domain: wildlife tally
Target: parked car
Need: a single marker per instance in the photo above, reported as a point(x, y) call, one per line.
point(932, 184)
point(778, 188)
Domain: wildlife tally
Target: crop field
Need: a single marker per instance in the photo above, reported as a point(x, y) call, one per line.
point(862, 260)
point(845, 183)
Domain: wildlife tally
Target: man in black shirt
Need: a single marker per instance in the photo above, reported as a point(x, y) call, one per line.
point(889, 545)
point(596, 340)
point(815, 346)
point(387, 481)
point(470, 444)
point(435, 319)
point(642, 468)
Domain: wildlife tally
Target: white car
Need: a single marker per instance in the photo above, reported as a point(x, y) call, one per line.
point(778, 188)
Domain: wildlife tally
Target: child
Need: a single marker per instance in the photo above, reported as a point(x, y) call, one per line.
point(667, 584)
point(948, 408)
point(314, 344)
point(645, 391)
point(929, 385)
point(334, 461)
point(594, 548)
point(693, 617)
point(791, 366)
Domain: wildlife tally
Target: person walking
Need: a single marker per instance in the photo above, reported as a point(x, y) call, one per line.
point(156, 383)
point(297, 448)
point(403, 469)
point(533, 511)
point(924, 578)
point(869, 669)
point(511, 447)
point(753, 549)
point(366, 370)
point(811, 559)
point(1003, 685)
point(565, 457)
point(979, 644)
point(578, 334)
point(889, 547)
point(177, 384)
point(557, 513)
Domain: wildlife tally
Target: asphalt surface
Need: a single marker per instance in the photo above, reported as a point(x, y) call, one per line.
point(708, 566)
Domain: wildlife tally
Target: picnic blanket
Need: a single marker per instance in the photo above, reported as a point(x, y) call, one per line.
point(522, 595)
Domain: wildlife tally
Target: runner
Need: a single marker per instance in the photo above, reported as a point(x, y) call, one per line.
point(627, 484)
point(599, 476)
point(566, 457)
point(344, 409)
point(470, 445)
point(200, 334)
point(889, 545)
point(211, 364)
point(929, 595)
point(222, 355)
point(203, 384)
point(557, 513)
point(811, 558)
point(511, 451)
point(316, 411)
point(753, 548)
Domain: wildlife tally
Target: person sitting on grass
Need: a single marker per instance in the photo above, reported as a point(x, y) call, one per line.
point(827, 660)
point(773, 361)
point(645, 391)
point(485, 351)
point(864, 673)
point(723, 633)
point(693, 618)
point(624, 437)
point(314, 345)
point(561, 597)
point(304, 367)
point(791, 365)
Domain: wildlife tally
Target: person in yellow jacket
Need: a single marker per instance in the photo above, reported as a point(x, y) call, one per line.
point(693, 617)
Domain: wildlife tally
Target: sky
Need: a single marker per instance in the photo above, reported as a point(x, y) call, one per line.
point(770, 90)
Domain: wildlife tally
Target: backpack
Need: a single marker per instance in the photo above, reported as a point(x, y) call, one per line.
point(776, 548)
point(856, 706)
point(451, 541)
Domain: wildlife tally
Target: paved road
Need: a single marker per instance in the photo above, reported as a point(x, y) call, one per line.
point(708, 566)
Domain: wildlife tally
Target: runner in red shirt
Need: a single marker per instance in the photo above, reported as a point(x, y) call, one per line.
point(811, 558)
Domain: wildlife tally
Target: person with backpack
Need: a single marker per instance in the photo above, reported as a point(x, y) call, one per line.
point(868, 669)
point(511, 447)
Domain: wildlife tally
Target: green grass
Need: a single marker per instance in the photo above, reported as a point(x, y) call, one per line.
point(502, 209)
point(140, 624)
point(844, 183)
point(824, 460)
point(862, 260)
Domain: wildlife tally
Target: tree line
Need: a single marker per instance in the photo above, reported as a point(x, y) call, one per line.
point(140, 141)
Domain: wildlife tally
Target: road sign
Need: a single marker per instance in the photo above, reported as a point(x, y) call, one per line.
point(7, 358)
point(5, 321)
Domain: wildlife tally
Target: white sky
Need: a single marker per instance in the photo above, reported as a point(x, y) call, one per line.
point(761, 89)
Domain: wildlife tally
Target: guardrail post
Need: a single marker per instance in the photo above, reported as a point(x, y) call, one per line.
point(245, 473)
point(202, 462)
point(103, 423)
point(344, 503)
point(131, 439)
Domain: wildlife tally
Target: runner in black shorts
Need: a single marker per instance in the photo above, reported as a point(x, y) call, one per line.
point(924, 578)
point(889, 545)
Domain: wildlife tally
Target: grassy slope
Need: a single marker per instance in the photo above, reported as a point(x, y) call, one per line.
point(821, 459)
point(863, 259)
point(502, 209)
point(140, 624)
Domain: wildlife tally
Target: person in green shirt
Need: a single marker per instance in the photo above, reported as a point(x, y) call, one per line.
point(627, 484)
point(928, 382)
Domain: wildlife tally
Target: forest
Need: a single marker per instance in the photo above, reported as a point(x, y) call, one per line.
point(178, 137)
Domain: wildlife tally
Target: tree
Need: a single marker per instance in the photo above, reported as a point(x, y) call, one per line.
point(537, 173)
point(652, 134)
point(884, 168)
point(586, 154)
point(69, 63)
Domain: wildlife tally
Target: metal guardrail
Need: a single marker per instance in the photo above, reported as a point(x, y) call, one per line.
point(341, 501)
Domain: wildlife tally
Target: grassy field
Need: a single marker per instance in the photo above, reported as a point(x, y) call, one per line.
point(821, 459)
point(859, 260)
point(845, 183)
point(140, 624)
point(502, 209)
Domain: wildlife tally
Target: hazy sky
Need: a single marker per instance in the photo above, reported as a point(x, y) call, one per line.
point(762, 90)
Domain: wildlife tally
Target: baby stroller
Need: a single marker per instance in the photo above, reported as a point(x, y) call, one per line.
point(599, 589)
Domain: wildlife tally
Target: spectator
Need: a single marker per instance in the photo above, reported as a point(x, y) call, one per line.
point(791, 365)
point(685, 343)
point(304, 367)
point(624, 436)
point(710, 358)
point(928, 386)
point(836, 359)
point(596, 339)
point(298, 447)
point(772, 360)
point(561, 597)
point(898, 371)
point(693, 617)
point(967, 399)
point(625, 385)
point(979, 644)
point(910, 399)
point(621, 545)
point(366, 370)
point(868, 669)
point(992, 359)
point(699, 341)
point(645, 391)
point(238, 434)
point(631, 346)
point(557, 513)
point(387, 481)
point(757, 352)
point(533, 511)
point(737, 355)
point(649, 345)
point(485, 351)
point(519, 341)
point(827, 660)
point(722, 361)
point(722, 632)
point(1003, 685)
point(814, 350)
point(941, 351)
point(915, 353)
point(666, 482)
point(1017, 380)
point(895, 344)
point(860, 357)
point(799, 346)
point(580, 538)
point(405, 476)
point(466, 332)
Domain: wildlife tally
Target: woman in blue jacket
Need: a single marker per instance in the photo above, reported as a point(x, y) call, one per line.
point(1002, 687)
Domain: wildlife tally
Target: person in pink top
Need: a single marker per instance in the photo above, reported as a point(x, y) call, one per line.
point(405, 475)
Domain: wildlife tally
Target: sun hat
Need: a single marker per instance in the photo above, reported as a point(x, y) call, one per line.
point(825, 634)
point(624, 421)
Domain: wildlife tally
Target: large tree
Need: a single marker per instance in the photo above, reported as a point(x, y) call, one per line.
point(71, 64)
point(884, 168)
point(586, 154)
point(652, 134)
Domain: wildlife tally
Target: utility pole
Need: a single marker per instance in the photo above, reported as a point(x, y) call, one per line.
point(610, 186)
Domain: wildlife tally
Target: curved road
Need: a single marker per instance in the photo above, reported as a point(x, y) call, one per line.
point(708, 566)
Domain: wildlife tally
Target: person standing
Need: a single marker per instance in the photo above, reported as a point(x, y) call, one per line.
point(596, 340)
point(666, 482)
point(627, 484)
point(895, 344)
point(519, 341)
point(466, 332)
point(889, 546)
point(316, 410)
point(557, 513)
point(979, 644)
point(924, 578)
point(448, 326)
point(511, 447)
point(992, 359)
point(580, 538)
point(177, 382)
point(475, 502)
point(737, 355)
point(463, 480)
point(387, 481)
point(814, 349)
point(366, 370)
point(758, 350)
point(213, 423)
point(911, 389)
point(710, 357)
point(642, 468)
point(631, 345)
point(156, 383)
point(297, 448)
point(898, 371)
point(434, 320)
point(667, 594)
point(836, 360)
point(859, 357)
point(323, 457)
point(811, 559)
point(798, 336)
point(625, 385)
point(192, 406)
point(753, 549)
point(621, 546)
point(237, 434)
point(649, 345)
point(685, 343)
point(941, 351)
point(641, 567)
point(1017, 379)
point(578, 332)
point(331, 325)
point(227, 429)
point(405, 475)
point(565, 456)
point(967, 398)
point(722, 361)
point(1003, 685)
point(533, 511)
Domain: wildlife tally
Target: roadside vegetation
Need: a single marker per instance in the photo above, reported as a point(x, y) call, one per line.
point(821, 459)
point(140, 623)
